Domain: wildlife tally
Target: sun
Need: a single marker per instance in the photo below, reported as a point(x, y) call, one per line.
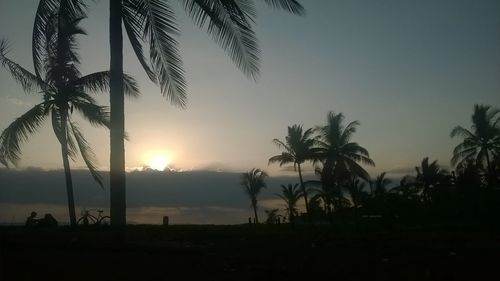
point(159, 162)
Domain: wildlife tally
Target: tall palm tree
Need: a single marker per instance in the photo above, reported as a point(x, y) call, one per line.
point(253, 183)
point(482, 142)
point(64, 89)
point(340, 156)
point(429, 176)
point(298, 147)
point(229, 22)
point(291, 195)
point(152, 22)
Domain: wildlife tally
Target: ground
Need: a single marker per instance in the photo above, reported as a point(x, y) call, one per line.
point(247, 252)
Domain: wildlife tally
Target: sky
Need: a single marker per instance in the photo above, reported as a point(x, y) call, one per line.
point(407, 70)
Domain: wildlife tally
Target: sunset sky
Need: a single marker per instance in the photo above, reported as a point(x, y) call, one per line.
point(409, 71)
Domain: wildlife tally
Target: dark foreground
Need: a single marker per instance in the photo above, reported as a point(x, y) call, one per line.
point(247, 253)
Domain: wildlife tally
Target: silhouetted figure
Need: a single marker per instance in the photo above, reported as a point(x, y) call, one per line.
point(32, 220)
point(165, 220)
point(48, 221)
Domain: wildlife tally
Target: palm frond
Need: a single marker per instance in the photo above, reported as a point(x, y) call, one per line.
point(283, 158)
point(292, 6)
point(230, 27)
point(60, 119)
point(99, 82)
point(19, 131)
point(97, 115)
point(461, 132)
point(133, 21)
point(72, 146)
point(28, 81)
point(159, 25)
point(45, 11)
point(87, 154)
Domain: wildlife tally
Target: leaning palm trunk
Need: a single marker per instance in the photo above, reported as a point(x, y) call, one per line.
point(67, 171)
point(254, 205)
point(117, 131)
point(304, 192)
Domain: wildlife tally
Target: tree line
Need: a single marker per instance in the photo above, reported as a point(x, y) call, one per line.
point(344, 189)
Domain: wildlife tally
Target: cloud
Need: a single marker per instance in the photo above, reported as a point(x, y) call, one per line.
point(402, 171)
point(187, 197)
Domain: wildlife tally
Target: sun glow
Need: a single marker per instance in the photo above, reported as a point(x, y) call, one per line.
point(159, 162)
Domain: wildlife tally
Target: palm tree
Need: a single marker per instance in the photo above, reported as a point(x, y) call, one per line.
point(429, 176)
point(407, 188)
point(64, 89)
point(340, 156)
point(272, 216)
point(298, 147)
point(291, 195)
point(152, 21)
point(253, 183)
point(380, 185)
point(356, 189)
point(482, 142)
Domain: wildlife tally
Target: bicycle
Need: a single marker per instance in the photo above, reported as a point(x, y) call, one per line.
point(87, 218)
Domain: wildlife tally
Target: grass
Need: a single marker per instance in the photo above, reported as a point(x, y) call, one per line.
point(243, 252)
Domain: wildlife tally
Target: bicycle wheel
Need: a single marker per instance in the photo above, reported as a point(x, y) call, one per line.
point(106, 220)
point(87, 220)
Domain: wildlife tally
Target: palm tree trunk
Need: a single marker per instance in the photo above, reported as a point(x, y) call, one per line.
point(117, 130)
point(304, 192)
point(254, 205)
point(488, 166)
point(67, 173)
point(291, 216)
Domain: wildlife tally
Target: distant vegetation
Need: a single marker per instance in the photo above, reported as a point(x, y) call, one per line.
point(346, 193)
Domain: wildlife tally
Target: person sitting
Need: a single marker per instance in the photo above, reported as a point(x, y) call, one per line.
point(32, 220)
point(48, 221)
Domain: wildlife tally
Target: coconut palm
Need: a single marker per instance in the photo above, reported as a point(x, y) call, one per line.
point(356, 190)
point(253, 183)
point(379, 185)
point(482, 142)
point(272, 216)
point(407, 188)
point(291, 195)
point(152, 22)
point(429, 176)
point(64, 90)
point(298, 147)
point(340, 156)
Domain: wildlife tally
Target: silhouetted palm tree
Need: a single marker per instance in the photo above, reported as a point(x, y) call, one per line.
point(291, 195)
point(64, 90)
point(429, 176)
point(152, 21)
point(272, 216)
point(299, 147)
point(340, 156)
point(482, 142)
point(253, 183)
point(380, 185)
point(407, 188)
point(356, 189)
